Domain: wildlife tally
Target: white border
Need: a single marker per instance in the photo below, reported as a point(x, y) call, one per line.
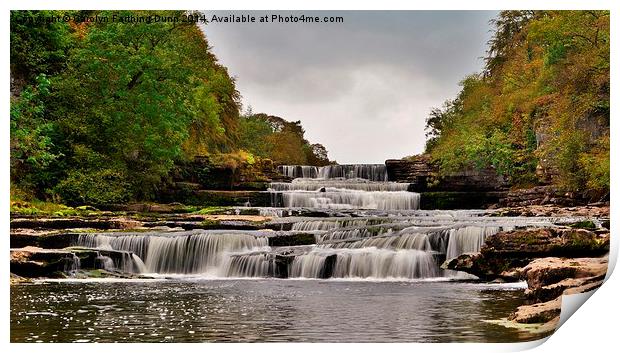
point(593, 327)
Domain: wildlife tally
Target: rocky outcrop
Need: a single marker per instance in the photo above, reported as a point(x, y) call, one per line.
point(550, 278)
point(543, 195)
point(424, 175)
point(34, 262)
point(459, 200)
point(598, 211)
point(553, 262)
point(75, 222)
point(504, 252)
point(544, 242)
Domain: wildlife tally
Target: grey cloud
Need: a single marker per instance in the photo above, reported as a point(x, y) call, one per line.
point(363, 88)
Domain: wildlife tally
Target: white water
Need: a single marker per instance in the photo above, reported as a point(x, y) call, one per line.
point(374, 172)
point(359, 248)
point(352, 199)
point(366, 263)
point(376, 233)
point(180, 252)
point(340, 187)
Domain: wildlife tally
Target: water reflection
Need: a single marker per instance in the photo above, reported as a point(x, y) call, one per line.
point(261, 310)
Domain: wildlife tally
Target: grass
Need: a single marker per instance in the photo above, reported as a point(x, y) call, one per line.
point(212, 210)
point(43, 208)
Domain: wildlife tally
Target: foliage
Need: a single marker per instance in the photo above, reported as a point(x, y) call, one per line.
point(540, 108)
point(280, 140)
point(102, 111)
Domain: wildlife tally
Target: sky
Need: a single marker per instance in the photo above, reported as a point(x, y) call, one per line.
point(362, 88)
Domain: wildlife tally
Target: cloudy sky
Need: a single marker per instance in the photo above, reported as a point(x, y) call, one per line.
point(362, 88)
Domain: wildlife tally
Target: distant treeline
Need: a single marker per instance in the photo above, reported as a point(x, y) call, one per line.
point(101, 112)
point(539, 111)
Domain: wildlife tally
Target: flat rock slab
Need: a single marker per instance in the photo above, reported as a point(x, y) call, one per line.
point(553, 270)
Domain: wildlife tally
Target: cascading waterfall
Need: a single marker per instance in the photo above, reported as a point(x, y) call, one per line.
point(467, 239)
point(334, 185)
point(349, 186)
point(365, 263)
point(352, 199)
point(71, 264)
point(374, 172)
point(408, 247)
point(180, 252)
point(299, 171)
point(249, 265)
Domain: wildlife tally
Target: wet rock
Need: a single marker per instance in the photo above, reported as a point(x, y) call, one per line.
point(37, 262)
point(15, 279)
point(293, 239)
point(537, 313)
point(550, 278)
point(486, 267)
point(33, 262)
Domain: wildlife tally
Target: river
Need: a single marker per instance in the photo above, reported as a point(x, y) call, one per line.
point(367, 270)
point(262, 310)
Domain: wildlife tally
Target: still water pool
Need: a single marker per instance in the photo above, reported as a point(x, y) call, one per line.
point(263, 310)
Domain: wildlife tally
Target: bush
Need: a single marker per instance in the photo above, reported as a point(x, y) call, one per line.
point(94, 187)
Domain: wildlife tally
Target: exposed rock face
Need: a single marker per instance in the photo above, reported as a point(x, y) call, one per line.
point(591, 211)
point(543, 242)
point(537, 313)
point(37, 262)
point(74, 222)
point(542, 195)
point(423, 175)
point(33, 262)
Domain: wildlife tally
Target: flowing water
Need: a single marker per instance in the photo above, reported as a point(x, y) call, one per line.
point(368, 270)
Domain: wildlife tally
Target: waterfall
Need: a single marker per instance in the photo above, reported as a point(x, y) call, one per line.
point(298, 171)
point(365, 248)
point(181, 252)
point(71, 264)
point(403, 241)
point(352, 199)
point(340, 187)
point(374, 172)
point(365, 263)
point(335, 185)
point(249, 265)
point(468, 239)
point(104, 262)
